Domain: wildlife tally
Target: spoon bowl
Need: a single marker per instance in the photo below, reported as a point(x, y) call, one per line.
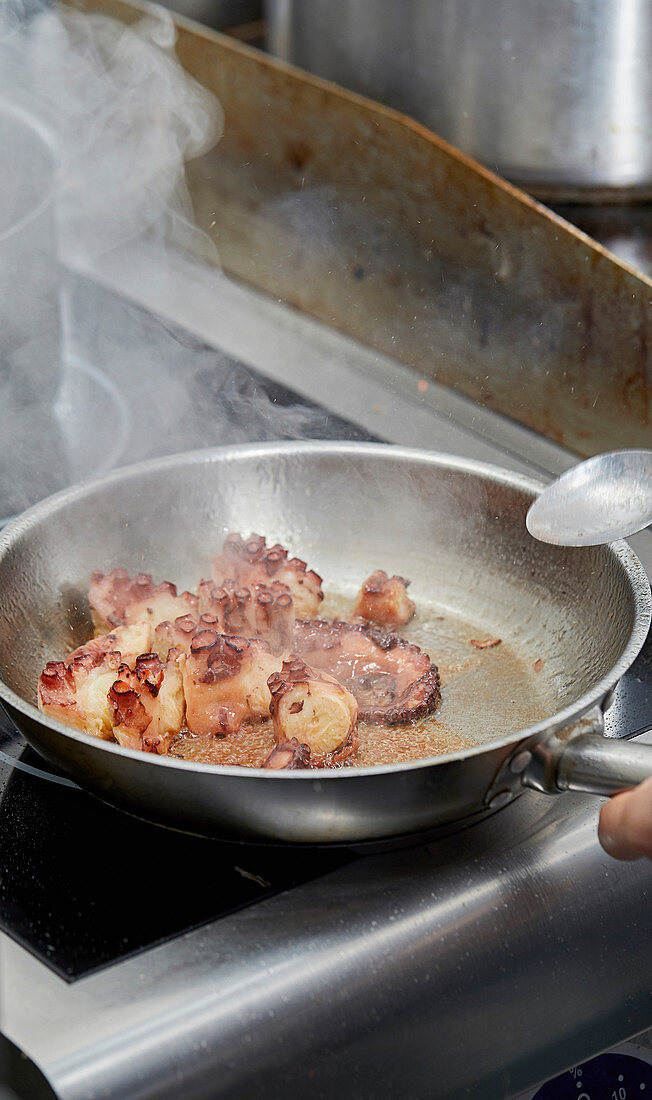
point(608, 497)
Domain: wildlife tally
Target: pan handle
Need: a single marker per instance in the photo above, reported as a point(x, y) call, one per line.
point(595, 765)
point(573, 759)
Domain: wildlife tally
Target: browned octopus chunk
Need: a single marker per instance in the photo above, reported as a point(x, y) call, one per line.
point(250, 562)
point(147, 703)
point(391, 680)
point(75, 691)
point(384, 600)
point(312, 708)
point(225, 682)
point(224, 676)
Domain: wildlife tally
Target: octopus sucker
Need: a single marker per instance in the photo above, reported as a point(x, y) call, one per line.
point(312, 708)
point(384, 600)
point(177, 634)
point(258, 610)
point(251, 562)
point(392, 680)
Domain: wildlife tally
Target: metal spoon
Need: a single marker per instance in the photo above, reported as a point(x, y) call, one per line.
point(605, 498)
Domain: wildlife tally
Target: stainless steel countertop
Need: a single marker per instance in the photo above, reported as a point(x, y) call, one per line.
point(485, 962)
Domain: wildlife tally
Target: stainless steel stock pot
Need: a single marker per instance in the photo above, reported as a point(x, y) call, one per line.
point(553, 94)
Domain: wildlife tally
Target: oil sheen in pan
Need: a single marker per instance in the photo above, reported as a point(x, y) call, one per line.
point(486, 693)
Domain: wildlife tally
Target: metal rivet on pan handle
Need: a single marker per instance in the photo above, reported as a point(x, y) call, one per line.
point(520, 762)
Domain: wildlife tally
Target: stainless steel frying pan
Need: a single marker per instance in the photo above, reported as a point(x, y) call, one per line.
point(455, 527)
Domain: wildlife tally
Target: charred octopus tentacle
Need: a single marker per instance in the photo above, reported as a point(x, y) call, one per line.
point(391, 679)
point(313, 708)
point(251, 562)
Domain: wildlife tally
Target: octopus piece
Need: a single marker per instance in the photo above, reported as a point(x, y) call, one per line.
point(127, 641)
point(117, 598)
point(288, 756)
point(391, 680)
point(384, 600)
point(147, 703)
point(312, 708)
point(78, 698)
point(225, 682)
point(251, 562)
point(75, 691)
point(261, 610)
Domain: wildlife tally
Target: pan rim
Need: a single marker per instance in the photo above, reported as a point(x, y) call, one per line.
point(640, 587)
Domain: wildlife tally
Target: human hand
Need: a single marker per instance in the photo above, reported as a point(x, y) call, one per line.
point(625, 829)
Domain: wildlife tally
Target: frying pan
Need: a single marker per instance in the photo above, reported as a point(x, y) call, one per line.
point(455, 527)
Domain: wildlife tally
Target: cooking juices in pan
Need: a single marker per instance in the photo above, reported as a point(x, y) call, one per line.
point(233, 656)
point(485, 693)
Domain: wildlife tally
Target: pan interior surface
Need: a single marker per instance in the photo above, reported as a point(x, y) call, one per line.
point(564, 616)
point(486, 692)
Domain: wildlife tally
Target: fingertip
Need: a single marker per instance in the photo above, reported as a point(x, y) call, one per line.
point(619, 831)
point(607, 840)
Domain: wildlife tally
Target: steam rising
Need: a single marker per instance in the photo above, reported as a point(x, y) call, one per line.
point(125, 117)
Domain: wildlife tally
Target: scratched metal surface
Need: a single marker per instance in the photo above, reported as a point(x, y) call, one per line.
point(366, 220)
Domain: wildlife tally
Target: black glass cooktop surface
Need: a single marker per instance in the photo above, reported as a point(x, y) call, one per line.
point(82, 885)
